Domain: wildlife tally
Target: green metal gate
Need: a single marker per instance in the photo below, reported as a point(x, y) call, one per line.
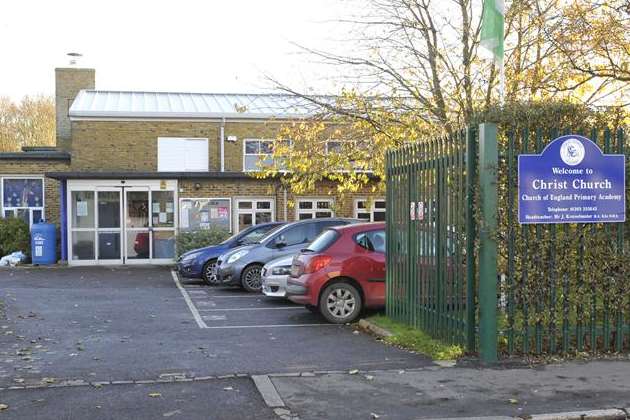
point(431, 236)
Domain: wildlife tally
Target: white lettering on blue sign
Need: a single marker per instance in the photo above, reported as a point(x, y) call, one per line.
point(571, 181)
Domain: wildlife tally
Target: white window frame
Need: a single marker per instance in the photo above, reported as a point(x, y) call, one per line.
point(260, 155)
point(183, 139)
point(253, 211)
point(314, 209)
point(41, 208)
point(369, 211)
point(182, 199)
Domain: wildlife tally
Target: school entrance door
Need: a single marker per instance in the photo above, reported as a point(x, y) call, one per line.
point(121, 222)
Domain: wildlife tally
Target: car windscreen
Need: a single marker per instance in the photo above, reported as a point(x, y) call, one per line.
point(323, 241)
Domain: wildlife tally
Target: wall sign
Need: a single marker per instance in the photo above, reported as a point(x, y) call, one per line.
point(571, 181)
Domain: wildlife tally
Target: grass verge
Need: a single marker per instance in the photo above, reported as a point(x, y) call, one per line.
point(416, 340)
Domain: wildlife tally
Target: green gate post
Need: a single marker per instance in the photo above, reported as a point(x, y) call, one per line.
point(488, 163)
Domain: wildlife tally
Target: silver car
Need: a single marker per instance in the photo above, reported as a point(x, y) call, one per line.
point(274, 276)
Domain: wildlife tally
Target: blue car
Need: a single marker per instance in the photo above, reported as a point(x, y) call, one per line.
point(201, 263)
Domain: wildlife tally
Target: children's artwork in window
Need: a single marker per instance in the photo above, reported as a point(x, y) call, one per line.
point(23, 193)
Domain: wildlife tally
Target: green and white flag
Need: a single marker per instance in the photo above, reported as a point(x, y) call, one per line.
point(492, 28)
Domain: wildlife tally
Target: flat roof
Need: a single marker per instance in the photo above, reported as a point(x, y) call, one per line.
point(147, 175)
point(108, 104)
point(36, 155)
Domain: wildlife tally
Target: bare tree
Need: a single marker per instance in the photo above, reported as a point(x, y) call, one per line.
point(28, 123)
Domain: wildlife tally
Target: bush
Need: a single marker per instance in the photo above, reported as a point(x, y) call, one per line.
point(14, 236)
point(200, 238)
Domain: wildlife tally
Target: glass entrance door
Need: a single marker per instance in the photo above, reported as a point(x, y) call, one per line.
point(149, 225)
point(138, 230)
point(108, 226)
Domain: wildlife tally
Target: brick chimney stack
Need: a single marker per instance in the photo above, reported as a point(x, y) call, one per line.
point(68, 82)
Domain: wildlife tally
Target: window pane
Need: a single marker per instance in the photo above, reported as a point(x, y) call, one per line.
point(83, 209)
point(379, 216)
point(263, 205)
point(138, 245)
point(82, 245)
point(363, 216)
point(263, 217)
point(163, 209)
point(25, 215)
point(380, 204)
point(266, 147)
point(108, 245)
point(305, 204)
point(361, 204)
point(244, 204)
point(37, 216)
point(322, 214)
point(23, 193)
point(251, 163)
point(252, 147)
point(305, 216)
point(323, 204)
point(9, 213)
point(164, 244)
point(137, 209)
point(108, 209)
point(244, 220)
point(334, 146)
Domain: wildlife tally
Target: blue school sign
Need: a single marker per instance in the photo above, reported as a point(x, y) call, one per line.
point(571, 181)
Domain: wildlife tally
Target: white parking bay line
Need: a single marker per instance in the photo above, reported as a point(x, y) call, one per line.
point(253, 309)
point(236, 296)
point(193, 309)
point(227, 327)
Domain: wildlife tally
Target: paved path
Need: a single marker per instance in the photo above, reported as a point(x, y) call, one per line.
point(458, 392)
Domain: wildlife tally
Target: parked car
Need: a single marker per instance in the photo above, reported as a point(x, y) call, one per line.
point(341, 272)
point(242, 266)
point(201, 262)
point(274, 276)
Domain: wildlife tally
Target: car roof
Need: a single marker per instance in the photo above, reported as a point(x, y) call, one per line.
point(359, 227)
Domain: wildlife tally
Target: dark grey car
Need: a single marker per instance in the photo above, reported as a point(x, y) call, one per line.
point(243, 265)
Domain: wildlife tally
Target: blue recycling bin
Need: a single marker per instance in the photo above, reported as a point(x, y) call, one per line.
point(43, 243)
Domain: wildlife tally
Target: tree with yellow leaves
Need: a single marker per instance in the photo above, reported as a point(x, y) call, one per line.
point(28, 123)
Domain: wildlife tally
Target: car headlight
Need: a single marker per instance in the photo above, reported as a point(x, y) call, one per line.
point(284, 270)
point(236, 256)
point(189, 258)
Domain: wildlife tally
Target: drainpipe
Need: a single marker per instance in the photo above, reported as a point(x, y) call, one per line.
point(286, 209)
point(63, 219)
point(222, 144)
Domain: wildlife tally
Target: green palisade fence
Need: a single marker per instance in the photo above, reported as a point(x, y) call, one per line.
point(566, 287)
point(561, 288)
point(430, 282)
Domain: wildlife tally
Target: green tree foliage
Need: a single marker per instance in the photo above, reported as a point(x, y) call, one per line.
point(186, 241)
point(14, 236)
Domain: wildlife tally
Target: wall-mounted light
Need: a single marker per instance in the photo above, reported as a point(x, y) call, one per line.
point(232, 138)
point(197, 186)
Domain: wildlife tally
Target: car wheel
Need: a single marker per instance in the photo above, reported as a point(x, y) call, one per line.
point(210, 273)
point(341, 303)
point(251, 278)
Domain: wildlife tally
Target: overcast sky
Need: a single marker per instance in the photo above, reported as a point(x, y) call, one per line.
point(168, 45)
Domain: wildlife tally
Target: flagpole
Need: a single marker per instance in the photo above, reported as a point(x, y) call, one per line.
point(501, 83)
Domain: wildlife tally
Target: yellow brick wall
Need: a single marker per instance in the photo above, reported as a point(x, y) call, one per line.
point(132, 145)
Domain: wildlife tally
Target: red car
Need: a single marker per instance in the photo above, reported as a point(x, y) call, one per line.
point(341, 272)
